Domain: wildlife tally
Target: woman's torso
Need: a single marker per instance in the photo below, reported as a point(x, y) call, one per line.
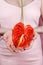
point(9, 16)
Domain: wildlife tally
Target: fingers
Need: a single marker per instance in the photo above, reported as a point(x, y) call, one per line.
point(7, 35)
point(17, 50)
point(13, 47)
point(32, 42)
point(8, 38)
point(9, 43)
point(35, 37)
point(9, 48)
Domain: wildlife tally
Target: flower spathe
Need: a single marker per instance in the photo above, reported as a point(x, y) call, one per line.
point(22, 35)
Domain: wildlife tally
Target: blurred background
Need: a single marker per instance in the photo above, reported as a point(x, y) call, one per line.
point(41, 35)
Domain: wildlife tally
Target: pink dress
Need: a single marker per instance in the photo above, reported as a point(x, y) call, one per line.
point(9, 16)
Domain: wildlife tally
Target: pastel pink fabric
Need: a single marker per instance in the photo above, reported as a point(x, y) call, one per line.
point(9, 16)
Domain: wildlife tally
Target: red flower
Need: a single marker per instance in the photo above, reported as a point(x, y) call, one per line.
point(22, 35)
point(17, 31)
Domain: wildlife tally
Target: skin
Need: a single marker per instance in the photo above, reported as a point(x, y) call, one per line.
point(8, 37)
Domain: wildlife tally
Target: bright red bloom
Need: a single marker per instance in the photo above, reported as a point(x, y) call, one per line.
point(17, 31)
point(22, 35)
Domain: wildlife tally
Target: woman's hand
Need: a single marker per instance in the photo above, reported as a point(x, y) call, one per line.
point(8, 39)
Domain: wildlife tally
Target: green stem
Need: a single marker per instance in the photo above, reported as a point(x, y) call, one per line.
point(21, 5)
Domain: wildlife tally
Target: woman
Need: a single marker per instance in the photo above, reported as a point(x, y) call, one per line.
point(10, 14)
